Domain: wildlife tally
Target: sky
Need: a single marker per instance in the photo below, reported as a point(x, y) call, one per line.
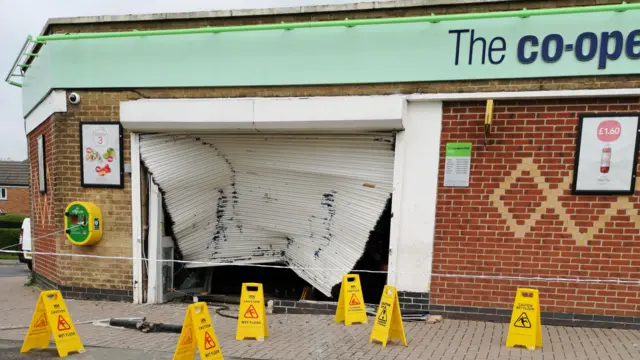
point(21, 18)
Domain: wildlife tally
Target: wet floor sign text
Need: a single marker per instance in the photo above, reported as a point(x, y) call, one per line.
point(252, 320)
point(388, 322)
point(351, 308)
point(198, 332)
point(525, 328)
point(52, 317)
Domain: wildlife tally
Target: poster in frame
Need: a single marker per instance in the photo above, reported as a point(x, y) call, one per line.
point(42, 169)
point(606, 154)
point(101, 151)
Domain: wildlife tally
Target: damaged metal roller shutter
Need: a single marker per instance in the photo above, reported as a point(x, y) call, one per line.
point(309, 201)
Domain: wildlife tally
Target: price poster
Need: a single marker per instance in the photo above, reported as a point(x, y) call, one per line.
point(606, 154)
point(102, 162)
point(457, 164)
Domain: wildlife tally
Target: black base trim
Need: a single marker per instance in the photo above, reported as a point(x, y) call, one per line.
point(547, 318)
point(420, 301)
point(410, 301)
point(82, 293)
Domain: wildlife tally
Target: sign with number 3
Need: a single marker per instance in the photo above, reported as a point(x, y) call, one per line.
point(606, 154)
point(102, 163)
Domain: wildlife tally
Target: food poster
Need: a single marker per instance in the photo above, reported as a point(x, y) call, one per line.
point(606, 154)
point(101, 155)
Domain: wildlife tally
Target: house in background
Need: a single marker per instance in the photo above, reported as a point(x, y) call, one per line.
point(14, 187)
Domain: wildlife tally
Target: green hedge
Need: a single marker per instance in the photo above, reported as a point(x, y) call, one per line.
point(11, 221)
point(13, 218)
point(9, 237)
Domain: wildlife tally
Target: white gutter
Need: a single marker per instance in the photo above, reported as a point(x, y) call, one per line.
point(507, 95)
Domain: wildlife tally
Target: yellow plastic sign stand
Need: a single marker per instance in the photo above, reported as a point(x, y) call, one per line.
point(351, 308)
point(197, 331)
point(51, 316)
point(525, 328)
point(252, 319)
point(388, 323)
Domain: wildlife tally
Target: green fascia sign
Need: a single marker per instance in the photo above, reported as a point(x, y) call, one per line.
point(602, 43)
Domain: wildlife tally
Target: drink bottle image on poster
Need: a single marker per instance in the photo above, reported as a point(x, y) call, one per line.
point(102, 163)
point(606, 154)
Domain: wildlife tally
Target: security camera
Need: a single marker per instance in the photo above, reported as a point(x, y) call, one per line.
point(74, 98)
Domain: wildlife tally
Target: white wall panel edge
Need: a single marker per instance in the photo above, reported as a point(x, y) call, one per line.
point(189, 114)
point(329, 109)
point(396, 209)
point(317, 113)
point(55, 102)
point(136, 219)
point(416, 185)
point(510, 95)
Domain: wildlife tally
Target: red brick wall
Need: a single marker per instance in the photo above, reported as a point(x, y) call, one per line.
point(518, 217)
point(17, 201)
point(42, 212)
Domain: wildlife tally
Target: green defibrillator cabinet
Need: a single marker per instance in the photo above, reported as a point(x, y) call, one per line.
point(83, 223)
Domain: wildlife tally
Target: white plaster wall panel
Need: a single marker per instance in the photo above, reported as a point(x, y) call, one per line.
point(186, 114)
point(55, 102)
point(320, 114)
point(415, 196)
point(308, 200)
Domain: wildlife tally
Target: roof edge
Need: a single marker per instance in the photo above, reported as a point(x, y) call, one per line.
point(360, 6)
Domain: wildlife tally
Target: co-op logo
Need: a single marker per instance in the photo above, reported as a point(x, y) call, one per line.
point(587, 46)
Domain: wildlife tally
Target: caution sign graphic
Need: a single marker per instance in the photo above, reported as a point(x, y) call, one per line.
point(251, 313)
point(42, 321)
point(188, 338)
point(525, 328)
point(52, 317)
point(523, 321)
point(252, 322)
point(63, 324)
point(354, 300)
point(197, 322)
point(388, 324)
point(382, 318)
point(208, 341)
point(351, 308)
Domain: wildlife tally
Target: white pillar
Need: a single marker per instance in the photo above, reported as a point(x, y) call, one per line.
point(136, 219)
point(415, 191)
point(154, 283)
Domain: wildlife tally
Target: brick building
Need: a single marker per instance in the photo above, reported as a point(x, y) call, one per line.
point(469, 152)
point(14, 187)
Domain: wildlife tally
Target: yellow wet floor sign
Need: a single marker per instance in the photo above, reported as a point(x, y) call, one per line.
point(351, 308)
point(252, 319)
point(198, 332)
point(525, 328)
point(51, 316)
point(388, 323)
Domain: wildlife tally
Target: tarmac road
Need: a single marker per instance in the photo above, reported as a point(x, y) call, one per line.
point(12, 268)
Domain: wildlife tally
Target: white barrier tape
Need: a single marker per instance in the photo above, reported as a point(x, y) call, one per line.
point(55, 232)
point(342, 271)
point(40, 237)
point(10, 246)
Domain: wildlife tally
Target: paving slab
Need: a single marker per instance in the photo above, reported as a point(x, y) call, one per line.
point(302, 337)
